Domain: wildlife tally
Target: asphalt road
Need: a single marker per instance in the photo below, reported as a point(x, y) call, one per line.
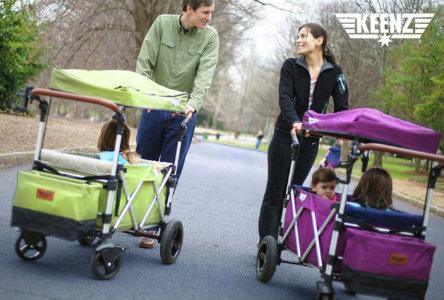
point(218, 201)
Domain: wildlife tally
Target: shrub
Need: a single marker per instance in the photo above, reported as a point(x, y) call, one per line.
point(20, 49)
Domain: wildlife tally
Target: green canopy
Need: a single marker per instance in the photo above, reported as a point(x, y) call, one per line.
point(121, 87)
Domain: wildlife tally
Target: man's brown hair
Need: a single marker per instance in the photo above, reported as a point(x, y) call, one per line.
point(195, 4)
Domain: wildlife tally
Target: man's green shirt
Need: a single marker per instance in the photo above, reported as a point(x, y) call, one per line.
point(178, 59)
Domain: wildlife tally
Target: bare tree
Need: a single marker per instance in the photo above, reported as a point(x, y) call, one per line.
point(107, 34)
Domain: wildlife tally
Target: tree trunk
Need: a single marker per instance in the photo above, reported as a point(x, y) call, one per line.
point(417, 164)
point(215, 116)
point(345, 150)
point(377, 161)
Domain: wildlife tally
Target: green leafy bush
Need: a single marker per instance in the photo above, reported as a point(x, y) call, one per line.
point(20, 50)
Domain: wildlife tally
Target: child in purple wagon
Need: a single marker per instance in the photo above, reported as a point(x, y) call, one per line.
point(374, 190)
point(323, 183)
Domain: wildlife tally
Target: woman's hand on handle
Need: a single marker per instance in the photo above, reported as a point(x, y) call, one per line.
point(297, 128)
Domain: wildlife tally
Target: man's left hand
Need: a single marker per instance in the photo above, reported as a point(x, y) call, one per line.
point(189, 110)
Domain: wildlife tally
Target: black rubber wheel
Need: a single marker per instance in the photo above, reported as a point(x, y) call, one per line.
point(348, 289)
point(321, 294)
point(30, 246)
point(102, 271)
point(171, 242)
point(86, 240)
point(266, 260)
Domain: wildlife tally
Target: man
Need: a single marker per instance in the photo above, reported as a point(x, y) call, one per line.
point(179, 52)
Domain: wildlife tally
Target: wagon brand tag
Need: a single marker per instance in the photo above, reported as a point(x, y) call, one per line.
point(398, 259)
point(312, 120)
point(302, 197)
point(45, 194)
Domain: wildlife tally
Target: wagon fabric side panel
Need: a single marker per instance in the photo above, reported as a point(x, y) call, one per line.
point(55, 205)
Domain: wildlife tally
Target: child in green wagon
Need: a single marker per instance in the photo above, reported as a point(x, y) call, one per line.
point(106, 143)
point(107, 140)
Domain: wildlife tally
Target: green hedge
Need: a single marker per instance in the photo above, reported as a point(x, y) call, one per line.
point(20, 49)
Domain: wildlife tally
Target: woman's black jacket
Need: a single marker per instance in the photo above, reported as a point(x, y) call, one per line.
point(294, 90)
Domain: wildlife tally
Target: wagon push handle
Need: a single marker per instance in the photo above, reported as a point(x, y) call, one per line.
point(183, 126)
point(294, 147)
point(88, 99)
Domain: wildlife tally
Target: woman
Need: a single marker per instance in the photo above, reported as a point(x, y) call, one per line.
point(306, 82)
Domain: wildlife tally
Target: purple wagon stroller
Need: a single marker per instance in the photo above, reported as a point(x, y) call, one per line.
point(371, 251)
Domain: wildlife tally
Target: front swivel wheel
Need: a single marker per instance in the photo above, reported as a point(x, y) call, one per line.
point(105, 262)
point(30, 246)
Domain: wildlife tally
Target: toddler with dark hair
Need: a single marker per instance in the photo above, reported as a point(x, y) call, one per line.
point(323, 183)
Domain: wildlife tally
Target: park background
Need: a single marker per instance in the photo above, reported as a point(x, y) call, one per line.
point(405, 80)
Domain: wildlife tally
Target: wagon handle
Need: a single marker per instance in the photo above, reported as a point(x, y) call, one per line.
point(401, 151)
point(294, 146)
point(69, 96)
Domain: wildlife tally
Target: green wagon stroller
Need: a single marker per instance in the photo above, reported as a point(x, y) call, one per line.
point(80, 197)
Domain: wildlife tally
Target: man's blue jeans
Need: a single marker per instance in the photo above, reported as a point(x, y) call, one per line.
point(157, 136)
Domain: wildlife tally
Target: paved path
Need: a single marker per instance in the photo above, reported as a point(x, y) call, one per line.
point(218, 201)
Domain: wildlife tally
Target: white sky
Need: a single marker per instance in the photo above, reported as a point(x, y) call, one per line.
point(266, 32)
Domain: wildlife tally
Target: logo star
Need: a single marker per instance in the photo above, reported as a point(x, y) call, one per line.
point(384, 40)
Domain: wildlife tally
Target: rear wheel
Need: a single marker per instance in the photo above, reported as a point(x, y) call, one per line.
point(323, 291)
point(171, 242)
point(30, 246)
point(266, 260)
point(349, 289)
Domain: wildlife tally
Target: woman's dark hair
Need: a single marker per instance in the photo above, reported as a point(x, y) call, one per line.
point(375, 189)
point(323, 175)
point(319, 31)
point(195, 4)
point(107, 139)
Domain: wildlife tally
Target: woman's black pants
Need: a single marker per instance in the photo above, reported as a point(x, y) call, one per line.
point(279, 160)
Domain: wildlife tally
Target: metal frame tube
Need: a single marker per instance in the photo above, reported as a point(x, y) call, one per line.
point(321, 230)
point(316, 239)
point(129, 205)
point(427, 205)
point(296, 230)
point(109, 203)
point(335, 235)
point(39, 142)
point(290, 177)
point(156, 199)
point(292, 224)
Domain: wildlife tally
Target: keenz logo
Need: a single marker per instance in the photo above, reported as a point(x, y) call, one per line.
point(385, 27)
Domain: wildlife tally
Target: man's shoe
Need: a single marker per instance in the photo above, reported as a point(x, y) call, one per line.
point(146, 242)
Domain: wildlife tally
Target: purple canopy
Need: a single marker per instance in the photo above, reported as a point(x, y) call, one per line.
point(371, 125)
